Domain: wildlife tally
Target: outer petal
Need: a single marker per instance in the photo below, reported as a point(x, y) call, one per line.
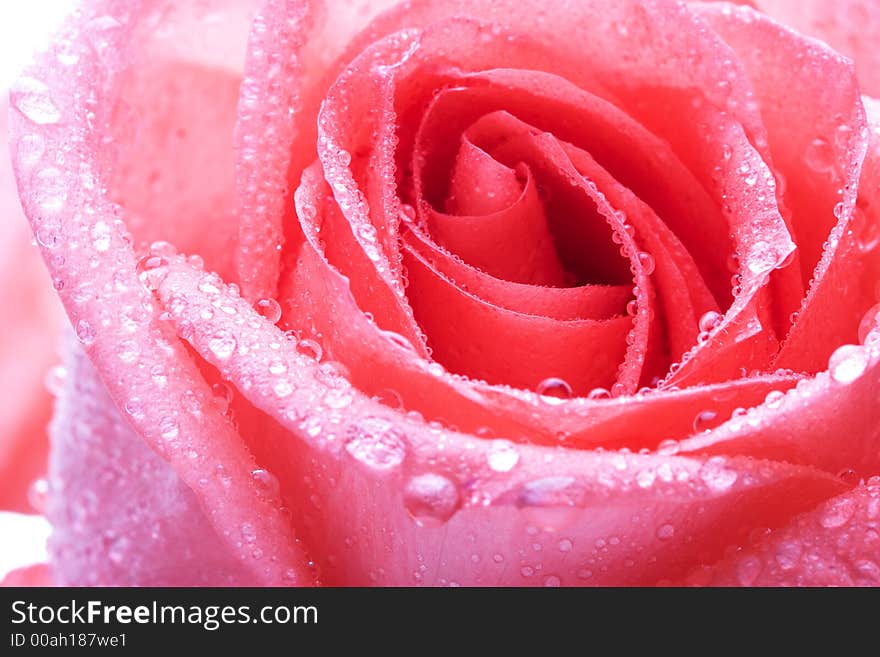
point(837, 544)
point(27, 345)
point(851, 27)
point(69, 96)
point(120, 514)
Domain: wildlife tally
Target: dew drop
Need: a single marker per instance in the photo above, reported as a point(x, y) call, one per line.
point(398, 340)
point(866, 230)
point(667, 447)
point(748, 570)
point(646, 260)
point(837, 512)
point(705, 420)
point(774, 399)
point(710, 321)
point(431, 499)
point(38, 494)
point(847, 363)
point(55, 378)
point(248, 532)
point(819, 155)
point(377, 443)
point(51, 192)
point(169, 428)
point(222, 344)
point(310, 349)
point(33, 99)
point(869, 321)
point(646, 478)
point(554, 390)
point(717, 477)
point(222, 396)
point(788, 554)
point(30, 150)
point(599, 393)
point(282, 389)
point(152, 270)
point(552, 581)
point(665, 532)
point(266, 483)
point(85, 332)
point(269, 309)
point(849, 476)
point(502, 456)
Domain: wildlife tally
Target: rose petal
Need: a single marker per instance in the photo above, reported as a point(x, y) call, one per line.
point(806, 424)
point(851, 27)
point(112, 313)
point(837, 544)
point(818, 144)
point(120, 514)
point(27, 345)
point(596, 512)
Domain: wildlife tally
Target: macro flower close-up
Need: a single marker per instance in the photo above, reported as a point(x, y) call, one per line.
point(444, 293)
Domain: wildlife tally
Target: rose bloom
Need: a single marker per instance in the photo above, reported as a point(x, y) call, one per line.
point(448, 292)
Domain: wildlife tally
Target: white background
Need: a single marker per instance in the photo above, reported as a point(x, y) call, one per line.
point(24, 26)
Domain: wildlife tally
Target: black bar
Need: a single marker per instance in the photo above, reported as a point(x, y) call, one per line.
point(110, 619)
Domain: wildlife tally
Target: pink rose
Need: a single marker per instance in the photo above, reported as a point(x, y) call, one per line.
point(460, 292)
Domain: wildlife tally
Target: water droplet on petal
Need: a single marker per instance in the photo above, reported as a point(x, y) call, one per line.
point(38, 494)
point(222, 396)
point(705, 421)
point(169, 428)
point(554, 390)
point(248, 532)
point(838, 512)
point(376, 442)
point(30, 149)
point(819, 155)
point(222, 344)
point(310, 349)
point(869, 322)
point(33, 99)
point(55, 379)
point(647, 262)
point(665, 532)
point(269, 309)
point(502, 456)
point(152, 270)
point(774, 399)
point(552, 581)
point(431, 499)
point(266, 483)
point(848, 363)
point(599, 393)
point(710, 321)
point(866, 230)
point(646, 478)
point(747, 570)
point(85, 332)
point(716, 476)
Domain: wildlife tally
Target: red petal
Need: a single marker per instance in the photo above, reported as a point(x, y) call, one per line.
point(837, 544)
point(38, 575)
point(112, 313)
point(120, 514)
point(810, 103)
point(593, 516)
point(851, 27)
point(26, 346)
